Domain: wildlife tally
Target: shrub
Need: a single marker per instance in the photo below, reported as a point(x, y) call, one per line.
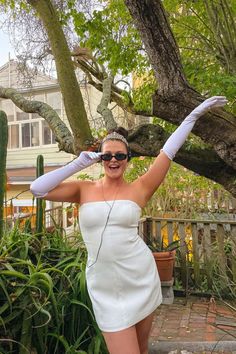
point(44, 304)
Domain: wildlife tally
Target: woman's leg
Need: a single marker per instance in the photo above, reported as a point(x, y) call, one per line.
point(122, 342)
point(143, 329)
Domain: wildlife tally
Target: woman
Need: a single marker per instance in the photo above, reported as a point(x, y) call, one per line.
point(122, 279)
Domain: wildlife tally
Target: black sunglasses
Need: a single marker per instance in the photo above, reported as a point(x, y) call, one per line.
point(119, 156)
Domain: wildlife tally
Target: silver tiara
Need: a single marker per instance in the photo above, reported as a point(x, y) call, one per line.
point(115, 136)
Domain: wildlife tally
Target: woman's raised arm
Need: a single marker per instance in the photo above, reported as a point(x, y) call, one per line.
point(154, 176)
point(49, 186)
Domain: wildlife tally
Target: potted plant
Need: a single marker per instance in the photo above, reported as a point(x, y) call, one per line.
point(164, 256)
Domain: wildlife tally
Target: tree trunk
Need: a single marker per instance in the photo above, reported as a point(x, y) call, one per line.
point(175, 99)
point(71, 93)
point(151, 21)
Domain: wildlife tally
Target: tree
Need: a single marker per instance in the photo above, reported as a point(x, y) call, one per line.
point(173, 99)
point(206, 35)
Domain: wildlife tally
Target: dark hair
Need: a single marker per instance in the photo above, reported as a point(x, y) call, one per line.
point(120, 130)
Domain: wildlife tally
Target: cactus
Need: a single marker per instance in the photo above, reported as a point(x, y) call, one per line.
point(39, 202)
point(3, 157)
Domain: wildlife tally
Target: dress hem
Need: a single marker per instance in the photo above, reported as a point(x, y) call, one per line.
point(140, 318)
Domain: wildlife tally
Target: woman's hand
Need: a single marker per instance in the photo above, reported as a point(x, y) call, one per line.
point(205, 106)
point(177, 139)
point(47, 182)
point(86, 159)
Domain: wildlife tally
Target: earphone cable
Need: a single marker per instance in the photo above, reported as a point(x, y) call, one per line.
point(101, 238)
point(108, 216)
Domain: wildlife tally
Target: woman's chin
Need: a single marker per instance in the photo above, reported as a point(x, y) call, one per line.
point(114, 173)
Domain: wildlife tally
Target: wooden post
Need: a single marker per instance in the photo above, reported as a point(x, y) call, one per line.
point(207, 254)
point(220, 235)
point(141, 228)
point(183, 254)
point(233, 205)
point(158, 232)
point(196, 258)
point(170, 232)
point(147, 230)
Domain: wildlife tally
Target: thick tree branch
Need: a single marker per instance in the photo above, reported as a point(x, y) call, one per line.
point(62, 133)
point(148, 139)
point(217, 127)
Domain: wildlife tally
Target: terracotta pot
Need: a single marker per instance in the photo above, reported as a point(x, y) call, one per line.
point(165, 264)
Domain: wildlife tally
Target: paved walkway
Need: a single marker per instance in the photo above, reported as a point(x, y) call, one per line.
point(194, 325)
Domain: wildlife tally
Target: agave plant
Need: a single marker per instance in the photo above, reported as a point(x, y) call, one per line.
point(44, 304)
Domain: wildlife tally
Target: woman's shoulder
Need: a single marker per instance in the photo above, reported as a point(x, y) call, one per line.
point(80, 183)
point(87, 182)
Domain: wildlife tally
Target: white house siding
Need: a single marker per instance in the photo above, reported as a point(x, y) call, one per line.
point(10, 76)
point(27, 157)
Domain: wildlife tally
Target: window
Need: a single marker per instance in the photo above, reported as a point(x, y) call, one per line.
point(34, 134)
point(48, 136)
point(13, 136)
point(27, 130)
point(30, 134)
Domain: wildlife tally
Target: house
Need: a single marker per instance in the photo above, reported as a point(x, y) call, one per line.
point(30, 135)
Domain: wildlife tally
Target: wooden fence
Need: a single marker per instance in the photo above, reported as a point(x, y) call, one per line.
point(204, 245)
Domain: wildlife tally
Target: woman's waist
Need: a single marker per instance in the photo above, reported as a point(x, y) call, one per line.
point(106, 262)
point(111, 237)
point(115, 248)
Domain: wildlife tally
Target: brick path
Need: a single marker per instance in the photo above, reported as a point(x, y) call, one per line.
point(195, 320)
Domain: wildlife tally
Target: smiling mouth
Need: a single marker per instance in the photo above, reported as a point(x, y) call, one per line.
point(114, 167)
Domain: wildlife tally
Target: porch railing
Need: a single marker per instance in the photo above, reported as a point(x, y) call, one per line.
point(52, 217)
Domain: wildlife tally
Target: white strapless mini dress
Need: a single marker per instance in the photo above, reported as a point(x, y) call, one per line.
point(121, 274)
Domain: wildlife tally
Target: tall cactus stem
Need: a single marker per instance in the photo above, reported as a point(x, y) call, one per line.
point(3, 158)
point(39, 202)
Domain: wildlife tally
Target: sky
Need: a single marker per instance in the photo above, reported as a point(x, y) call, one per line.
point(5, 48)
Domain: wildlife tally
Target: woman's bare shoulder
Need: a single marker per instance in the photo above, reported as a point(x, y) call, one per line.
point(86, 182)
